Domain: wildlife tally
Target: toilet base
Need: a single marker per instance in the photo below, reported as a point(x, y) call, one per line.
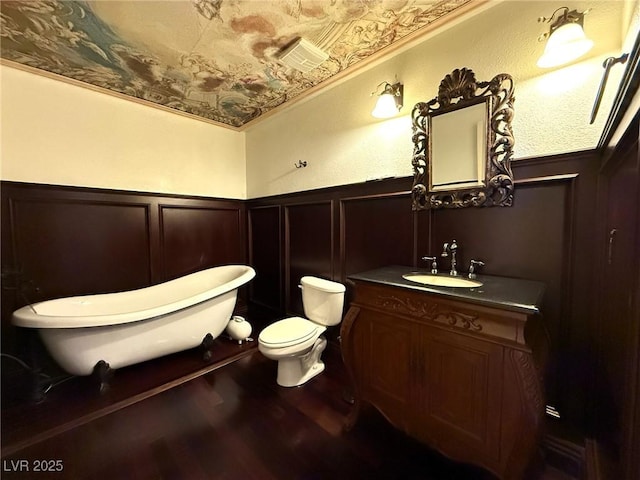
point(296, 371)
point(291, 375)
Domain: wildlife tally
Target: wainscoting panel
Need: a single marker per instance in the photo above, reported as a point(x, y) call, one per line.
point(308, 247)
point(195, 238)
point(309, 233)
point(267, 288)
point(72, 248)
point(376, 230)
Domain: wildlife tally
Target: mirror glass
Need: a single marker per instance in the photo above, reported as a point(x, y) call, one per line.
point(458, 146)
point(463, 144)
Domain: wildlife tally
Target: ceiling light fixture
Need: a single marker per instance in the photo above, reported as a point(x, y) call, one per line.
point(302, 55)
point(389, 100)
point(566, 40)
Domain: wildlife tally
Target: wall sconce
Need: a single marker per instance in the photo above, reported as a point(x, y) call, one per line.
point(389, 101)
point(566, 39)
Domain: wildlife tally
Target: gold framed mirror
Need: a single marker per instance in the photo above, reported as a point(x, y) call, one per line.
point(463, 144)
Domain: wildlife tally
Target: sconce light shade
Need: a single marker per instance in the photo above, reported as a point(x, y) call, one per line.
point(566, 40)
point(389, 101)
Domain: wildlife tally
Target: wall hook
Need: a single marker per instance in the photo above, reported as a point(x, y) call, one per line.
point(300, 164)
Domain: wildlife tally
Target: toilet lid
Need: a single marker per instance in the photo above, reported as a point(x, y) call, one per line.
point(289, 331)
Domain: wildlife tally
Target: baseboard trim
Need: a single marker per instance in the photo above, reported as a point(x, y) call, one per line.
point(564, 455)
point(598, 465)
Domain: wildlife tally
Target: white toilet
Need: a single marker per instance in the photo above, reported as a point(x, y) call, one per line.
point(295, 342)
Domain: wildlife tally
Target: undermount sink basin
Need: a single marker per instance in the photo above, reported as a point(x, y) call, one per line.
point(442, 280)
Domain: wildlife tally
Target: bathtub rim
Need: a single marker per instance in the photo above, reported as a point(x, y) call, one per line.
point(28, 318)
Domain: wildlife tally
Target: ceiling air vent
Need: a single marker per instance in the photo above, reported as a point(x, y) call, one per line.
point(302, 55)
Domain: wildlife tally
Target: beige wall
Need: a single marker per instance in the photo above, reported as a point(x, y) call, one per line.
point(57, 133)
point(342, 143)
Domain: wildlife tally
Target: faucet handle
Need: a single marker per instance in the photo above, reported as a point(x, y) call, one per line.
point(445, 250)
point(472, 267)
point(434, 264)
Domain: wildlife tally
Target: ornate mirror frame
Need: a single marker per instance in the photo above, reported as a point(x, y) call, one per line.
point(458, 90)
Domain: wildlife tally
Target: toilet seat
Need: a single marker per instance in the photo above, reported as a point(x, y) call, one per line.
point(287, 332)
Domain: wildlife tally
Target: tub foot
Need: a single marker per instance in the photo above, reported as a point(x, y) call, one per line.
point(207, 343)
point(38, 386)
point(104, 373)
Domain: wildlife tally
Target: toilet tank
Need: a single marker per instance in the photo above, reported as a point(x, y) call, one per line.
point(322, 300)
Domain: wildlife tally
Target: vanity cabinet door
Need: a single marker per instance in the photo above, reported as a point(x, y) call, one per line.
point(388, 381)
point(461, 394)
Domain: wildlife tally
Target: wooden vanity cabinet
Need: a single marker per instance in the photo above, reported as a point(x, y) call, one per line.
point(458, 376)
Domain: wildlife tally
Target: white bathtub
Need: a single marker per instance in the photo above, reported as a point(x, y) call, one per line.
point(130, 327)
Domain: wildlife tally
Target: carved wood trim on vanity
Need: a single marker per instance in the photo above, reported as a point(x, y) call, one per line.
point(458, 376)
point(431, 311)
point(502, 324)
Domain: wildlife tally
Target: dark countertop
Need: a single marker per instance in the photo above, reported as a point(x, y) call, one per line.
point(503, 292)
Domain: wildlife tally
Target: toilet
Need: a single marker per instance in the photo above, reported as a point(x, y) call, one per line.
point(296, 342)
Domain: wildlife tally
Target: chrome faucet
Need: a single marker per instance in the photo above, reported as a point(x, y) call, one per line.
point(472, 268)
point(451, 248)
point(434, 264)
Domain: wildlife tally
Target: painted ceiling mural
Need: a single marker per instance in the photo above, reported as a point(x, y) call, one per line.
point(216, 59)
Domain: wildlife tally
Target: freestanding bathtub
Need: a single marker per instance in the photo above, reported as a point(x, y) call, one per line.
point(113, 330)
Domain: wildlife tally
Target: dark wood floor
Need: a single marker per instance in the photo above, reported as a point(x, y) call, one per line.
point(236, 423)
point(75, 401)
